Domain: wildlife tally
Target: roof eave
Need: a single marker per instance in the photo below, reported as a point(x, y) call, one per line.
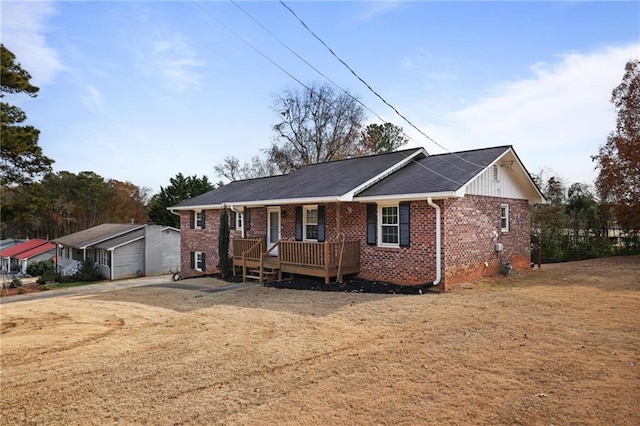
point(93, 243)
point(409, 197)
point(260, 203)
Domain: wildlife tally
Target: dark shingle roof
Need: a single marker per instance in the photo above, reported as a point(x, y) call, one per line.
point(97, 234)
point(121, 240)
point(317, 180)
point(436, 173)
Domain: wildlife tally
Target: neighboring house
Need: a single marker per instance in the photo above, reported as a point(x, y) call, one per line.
point(121, 250)
point(9, 242)
point(19, 256)
point(405, 217)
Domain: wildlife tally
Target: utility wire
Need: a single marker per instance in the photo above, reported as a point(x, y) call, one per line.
point(367, 84)
point(296, 79)
point(346, 92)
point(249, 44)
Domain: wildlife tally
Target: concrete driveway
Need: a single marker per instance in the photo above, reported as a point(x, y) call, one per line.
point(204, 284)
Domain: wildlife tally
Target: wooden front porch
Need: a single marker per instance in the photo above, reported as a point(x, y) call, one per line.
point(325, 259)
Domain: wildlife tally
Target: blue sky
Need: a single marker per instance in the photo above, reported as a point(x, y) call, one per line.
point(140, 91)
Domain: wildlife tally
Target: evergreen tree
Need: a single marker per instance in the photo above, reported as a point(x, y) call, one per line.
point(22, 158)
point(180, 188)
point(223, 245)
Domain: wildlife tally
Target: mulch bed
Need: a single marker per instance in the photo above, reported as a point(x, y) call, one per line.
point(354, 285)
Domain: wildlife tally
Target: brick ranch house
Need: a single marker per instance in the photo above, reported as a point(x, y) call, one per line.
point(405, 217)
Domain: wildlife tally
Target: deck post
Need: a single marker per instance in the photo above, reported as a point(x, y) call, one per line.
point(261, 268)
point(244, 267)
point(326, 262)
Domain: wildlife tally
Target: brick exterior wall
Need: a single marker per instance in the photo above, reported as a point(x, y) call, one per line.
point(467, 224)
point(471, 229)
point(401, 265)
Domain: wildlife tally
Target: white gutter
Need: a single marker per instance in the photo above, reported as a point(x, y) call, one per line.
point(438, 242)
point(261, 203)
point(407, 197)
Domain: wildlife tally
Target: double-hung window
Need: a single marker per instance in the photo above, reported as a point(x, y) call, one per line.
point(311, 223)
point(104, 258)
point(389, 230)
point(198, 220)
point(198, 258)
point(504, 217)
point(239, 219)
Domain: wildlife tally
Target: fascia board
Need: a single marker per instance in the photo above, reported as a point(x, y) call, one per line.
point(405, 197)
point(261, 203)
point(400, 164)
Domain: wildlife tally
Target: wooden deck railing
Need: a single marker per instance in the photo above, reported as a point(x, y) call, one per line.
point(252, 247)
point(326, 259)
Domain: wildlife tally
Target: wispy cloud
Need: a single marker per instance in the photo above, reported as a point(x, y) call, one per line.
point(172, 57)
point(24, 25)
point(93, 99)
point(555, 118)
point(378, 7)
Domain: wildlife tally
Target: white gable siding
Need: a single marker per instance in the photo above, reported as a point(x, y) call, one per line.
point(505, 187)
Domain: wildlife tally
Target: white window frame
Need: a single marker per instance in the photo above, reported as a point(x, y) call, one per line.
point(197, 261)
point(240, 222)
point(305, 222)
point(103, 257)
point(381, 207)
point(197, 219)
point(504, 217)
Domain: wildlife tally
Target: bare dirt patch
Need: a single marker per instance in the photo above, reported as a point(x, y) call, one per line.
point(559, 345)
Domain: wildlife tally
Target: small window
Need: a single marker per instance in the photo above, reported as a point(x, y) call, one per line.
point(198, 220)
point(311, 223)
point(104, 258)
point(239, 220)
point(389, 226)
point(504, 218)
point(198, 261)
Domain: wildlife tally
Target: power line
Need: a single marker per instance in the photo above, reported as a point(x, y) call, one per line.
point(249, 44)
point(346, 92)
point(367, 84)
point(300, 82)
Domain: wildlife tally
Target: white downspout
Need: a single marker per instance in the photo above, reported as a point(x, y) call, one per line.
point(438, 242)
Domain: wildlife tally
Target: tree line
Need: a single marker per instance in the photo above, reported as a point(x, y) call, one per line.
point(578, 222)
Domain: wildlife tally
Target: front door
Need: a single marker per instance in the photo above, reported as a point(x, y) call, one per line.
point(273, 228)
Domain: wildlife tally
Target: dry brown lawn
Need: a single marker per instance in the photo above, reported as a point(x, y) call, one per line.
point(559, 345)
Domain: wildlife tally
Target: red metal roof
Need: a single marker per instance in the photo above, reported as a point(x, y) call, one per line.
point(22, 247)
point(36, 251)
